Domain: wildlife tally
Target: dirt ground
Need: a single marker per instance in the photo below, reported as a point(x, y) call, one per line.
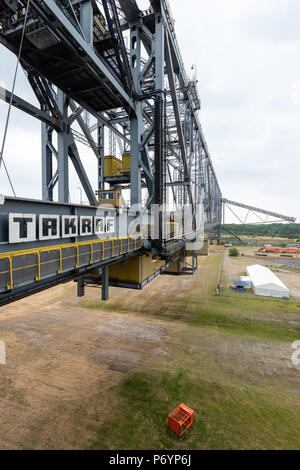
point(56, 357)
point(63, 359)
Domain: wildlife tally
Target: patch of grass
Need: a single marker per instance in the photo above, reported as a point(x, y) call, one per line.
point(239, 404)
point(237, 315)
point(226, 416)
point(201, 307)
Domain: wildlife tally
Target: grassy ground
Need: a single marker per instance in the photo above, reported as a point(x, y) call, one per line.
point(223, 358)
point(227, 416)
point(231, 312)
point(82, 374)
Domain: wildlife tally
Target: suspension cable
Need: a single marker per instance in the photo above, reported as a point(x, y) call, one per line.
point(12, 97)
point(8, 177)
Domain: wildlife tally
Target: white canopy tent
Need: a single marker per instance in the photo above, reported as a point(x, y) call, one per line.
point(266, 283)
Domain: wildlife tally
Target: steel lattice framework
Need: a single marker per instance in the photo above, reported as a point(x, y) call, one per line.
point(256, 210)
point(76, 58)
point(108, 60)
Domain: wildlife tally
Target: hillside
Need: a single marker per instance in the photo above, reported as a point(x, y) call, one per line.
point(291, 231)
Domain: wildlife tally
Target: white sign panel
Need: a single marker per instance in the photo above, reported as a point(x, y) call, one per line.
point(69, 226)
point(22, 228)
point(49, 227)
point(99, 225)
point(31, 227)
point(86, 226)
point(110, 225)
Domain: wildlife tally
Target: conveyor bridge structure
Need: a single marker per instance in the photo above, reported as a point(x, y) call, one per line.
point(121, 66)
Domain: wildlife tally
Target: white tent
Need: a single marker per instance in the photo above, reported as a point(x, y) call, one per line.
point(264, 282)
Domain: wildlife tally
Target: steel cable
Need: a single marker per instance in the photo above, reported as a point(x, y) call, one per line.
point(11, 99)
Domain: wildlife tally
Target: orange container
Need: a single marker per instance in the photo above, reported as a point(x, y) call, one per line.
point(181, 419)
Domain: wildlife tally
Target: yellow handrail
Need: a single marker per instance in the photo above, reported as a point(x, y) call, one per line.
point(38, 251)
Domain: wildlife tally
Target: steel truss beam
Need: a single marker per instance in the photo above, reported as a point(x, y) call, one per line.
point(28, 108)
point(65, 30)
point(259, 211)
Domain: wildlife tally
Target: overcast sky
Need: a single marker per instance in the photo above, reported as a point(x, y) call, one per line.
point(247, 54)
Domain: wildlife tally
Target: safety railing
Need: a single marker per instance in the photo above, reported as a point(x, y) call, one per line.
point(21, 267)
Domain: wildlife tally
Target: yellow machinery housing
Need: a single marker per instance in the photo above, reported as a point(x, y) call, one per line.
point(126, 163)
point(112, 166)
point(176, 267)
point(136, 272)
point(110, 197)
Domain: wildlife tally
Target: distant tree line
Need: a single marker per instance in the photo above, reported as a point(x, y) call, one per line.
point(290, 231)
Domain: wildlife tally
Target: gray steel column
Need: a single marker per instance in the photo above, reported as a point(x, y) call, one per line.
point(80, 170)
point(135, 158)
point(136, 120)
point(210, 206)
point(47, 169)
point(223, 205)
point(105, 283)
point(63, 158)
point(80, 287)
point(159, 47)
point(86, 20)
point(100, 138)
point(159, 120)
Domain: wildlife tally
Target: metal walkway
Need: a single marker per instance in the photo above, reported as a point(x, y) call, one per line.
point(37, 269)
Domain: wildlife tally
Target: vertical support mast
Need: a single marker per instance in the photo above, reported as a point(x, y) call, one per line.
point(136, 119)
point(100, 139)
point(47, 164)
point(159, 119)
point(86, 20)
point(63, 158)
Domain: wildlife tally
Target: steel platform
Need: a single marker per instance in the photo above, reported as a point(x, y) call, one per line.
point(57, 50)
point(24, 271)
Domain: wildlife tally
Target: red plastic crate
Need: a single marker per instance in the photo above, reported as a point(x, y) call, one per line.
point(181, 419)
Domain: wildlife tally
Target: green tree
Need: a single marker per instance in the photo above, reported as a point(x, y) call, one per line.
point(290, 231)
point(234, 252)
